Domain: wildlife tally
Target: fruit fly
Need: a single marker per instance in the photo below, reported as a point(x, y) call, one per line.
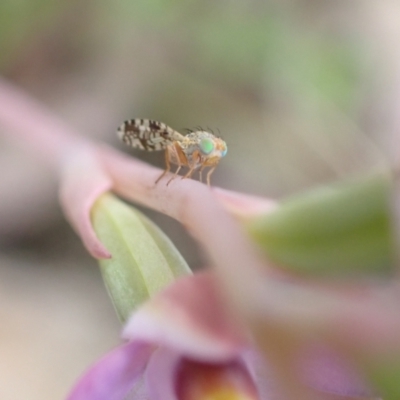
point(196, 150)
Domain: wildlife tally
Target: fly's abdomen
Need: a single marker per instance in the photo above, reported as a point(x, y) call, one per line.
point(146, 134)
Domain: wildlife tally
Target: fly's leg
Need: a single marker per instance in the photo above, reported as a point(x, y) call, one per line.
point(175, 174)
point(167, 165)
point(177, 156)
point(189, 173)
point(192, 168)
point(208, 175)
point(201, 173)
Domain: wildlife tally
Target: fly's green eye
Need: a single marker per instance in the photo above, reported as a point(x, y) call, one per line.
point(206, 146)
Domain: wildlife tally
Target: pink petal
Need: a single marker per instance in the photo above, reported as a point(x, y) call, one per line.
point(83, 181)
point(115, 375)
point(189, 317)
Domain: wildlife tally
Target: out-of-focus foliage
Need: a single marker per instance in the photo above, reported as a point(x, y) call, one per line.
point(21, 20)
point(339, 230)
point(385, 376)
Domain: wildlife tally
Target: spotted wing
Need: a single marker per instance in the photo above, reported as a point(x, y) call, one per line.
point(146, 134)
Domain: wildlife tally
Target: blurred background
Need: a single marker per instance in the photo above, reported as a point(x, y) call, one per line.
point(303, 92)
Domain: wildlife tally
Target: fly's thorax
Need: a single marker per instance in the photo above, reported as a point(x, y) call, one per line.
point(185, 152)
point(177, 155)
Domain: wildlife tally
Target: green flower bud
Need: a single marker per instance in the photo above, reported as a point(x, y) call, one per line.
point(144, 260)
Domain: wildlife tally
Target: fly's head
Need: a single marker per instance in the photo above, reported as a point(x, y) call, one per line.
point(209, 148)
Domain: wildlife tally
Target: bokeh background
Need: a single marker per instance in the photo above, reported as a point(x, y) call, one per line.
point(303, 91)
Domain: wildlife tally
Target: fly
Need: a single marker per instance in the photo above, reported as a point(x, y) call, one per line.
point(196, 150)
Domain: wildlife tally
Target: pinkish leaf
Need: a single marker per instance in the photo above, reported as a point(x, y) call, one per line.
point(243, 205)
point(83, 181)
point(35, 126)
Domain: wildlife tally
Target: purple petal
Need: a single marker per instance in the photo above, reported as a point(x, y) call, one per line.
point(139, 390)
point(190, 317)
point(83, 181)
point(114, 375)
point(160, 374)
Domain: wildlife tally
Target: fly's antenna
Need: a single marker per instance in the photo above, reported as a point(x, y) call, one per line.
point(210, 130)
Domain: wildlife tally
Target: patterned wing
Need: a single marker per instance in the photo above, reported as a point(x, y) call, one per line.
point(146, 134)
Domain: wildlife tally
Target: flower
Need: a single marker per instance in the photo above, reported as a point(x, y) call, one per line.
point(182, 344)
point(185, 344)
